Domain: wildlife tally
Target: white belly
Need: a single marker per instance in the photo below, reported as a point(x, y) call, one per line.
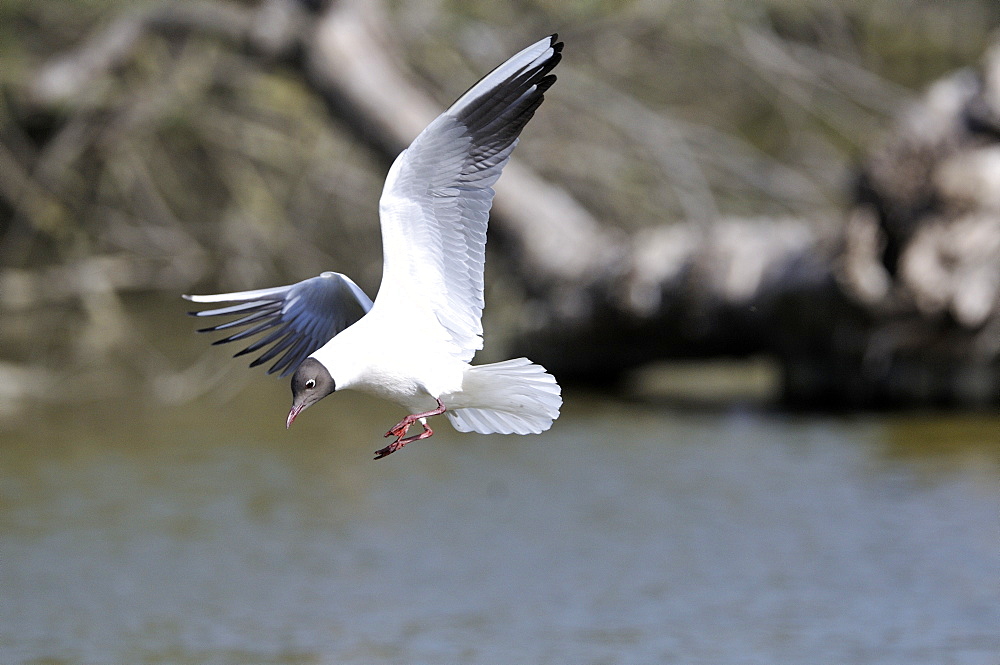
point(389, 363)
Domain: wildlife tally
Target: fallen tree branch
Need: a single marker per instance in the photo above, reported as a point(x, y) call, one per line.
point(853, 311)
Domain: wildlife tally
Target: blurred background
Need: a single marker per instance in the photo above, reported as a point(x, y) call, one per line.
point(757, 242)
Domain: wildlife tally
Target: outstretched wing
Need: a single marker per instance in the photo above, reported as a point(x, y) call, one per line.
point(436, 201)
point(302, 317)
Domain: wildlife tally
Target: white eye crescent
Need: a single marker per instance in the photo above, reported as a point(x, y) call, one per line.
point(310, 384)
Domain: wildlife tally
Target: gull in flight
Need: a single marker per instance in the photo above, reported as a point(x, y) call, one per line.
point(414, 343)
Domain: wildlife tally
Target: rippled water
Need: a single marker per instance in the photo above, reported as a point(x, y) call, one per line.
point(205, 533)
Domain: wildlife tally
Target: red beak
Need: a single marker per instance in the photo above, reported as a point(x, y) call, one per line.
point(296, 410)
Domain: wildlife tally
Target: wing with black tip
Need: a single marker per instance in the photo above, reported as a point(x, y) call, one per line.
point(298, 319)
point(436, 202)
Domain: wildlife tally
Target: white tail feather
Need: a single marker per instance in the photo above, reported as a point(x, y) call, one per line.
point(509, 397)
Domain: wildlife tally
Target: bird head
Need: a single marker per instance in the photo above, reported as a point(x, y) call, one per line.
point(310, 383)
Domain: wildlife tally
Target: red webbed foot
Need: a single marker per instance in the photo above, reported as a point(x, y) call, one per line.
point(400, 442)
point(399, 430)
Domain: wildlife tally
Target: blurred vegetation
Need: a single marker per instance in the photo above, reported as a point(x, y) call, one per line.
point(195, 166)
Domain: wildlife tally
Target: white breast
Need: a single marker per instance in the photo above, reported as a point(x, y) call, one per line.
point(393, 362)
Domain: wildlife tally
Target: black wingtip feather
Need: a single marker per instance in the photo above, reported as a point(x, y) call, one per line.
point(249, 332)
point(292, 321)
point(512, 103)
point(287, 341)
point(245, 321)
point(291, 358)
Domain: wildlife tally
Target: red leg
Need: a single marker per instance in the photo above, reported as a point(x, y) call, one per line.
point(399, 443)
point(403, 425)
point(399, 429)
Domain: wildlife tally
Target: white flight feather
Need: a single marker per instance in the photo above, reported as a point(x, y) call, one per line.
point(434, 221)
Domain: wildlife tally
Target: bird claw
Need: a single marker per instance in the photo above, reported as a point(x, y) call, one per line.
point(400, 442)
point(388, 450)
point(399, 429)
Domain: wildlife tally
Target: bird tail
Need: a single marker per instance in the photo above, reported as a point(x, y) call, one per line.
point(509, 397)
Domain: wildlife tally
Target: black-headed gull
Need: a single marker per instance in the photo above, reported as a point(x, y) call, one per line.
point(414, 343)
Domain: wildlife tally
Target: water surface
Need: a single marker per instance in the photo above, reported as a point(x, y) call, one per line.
point(205, 533)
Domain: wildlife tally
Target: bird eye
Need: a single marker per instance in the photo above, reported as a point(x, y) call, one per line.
point(310, 384)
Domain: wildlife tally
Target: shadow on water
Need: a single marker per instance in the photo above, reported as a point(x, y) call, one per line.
point(203, 532)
